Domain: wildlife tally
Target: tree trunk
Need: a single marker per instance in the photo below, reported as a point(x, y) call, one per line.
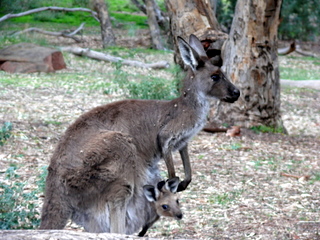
point(153, 25)
point(108, 38)
point(190, 17)
point(251, 63)
point(161, 17)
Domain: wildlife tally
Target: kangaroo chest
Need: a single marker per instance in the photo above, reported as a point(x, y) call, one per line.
point(175, 138)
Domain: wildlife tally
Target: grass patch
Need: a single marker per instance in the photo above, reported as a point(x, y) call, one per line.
point(121, 6)
point(145, 88)
point(128, 20)
point(225, 198)
point(267, 129)
point(299, 74)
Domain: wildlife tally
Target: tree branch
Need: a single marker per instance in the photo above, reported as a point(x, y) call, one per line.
point(106, 57)
point(52, 8)
point(62, 34)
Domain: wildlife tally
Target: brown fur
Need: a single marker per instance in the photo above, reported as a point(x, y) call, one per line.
point(105, 157)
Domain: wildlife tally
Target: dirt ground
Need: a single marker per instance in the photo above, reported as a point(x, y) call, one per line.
point(253, 186)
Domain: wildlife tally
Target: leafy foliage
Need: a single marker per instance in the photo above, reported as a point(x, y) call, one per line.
point(17, 207)
point(146, 88)
point(300, 19)
point(267, 129)
point(225, 11)
point(5, 132)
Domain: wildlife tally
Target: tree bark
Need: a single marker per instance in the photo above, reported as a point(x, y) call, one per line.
point(153, 25)
point(251, 63)
point(190, 17)
point(108, 38)
point(162, 19)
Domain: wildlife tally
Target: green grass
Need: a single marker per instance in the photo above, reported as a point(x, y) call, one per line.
point(299, 74)
point(225, 198)
point(266, 129)
point(121, 6)
point(300, 68)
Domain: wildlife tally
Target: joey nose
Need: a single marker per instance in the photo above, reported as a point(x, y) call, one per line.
point(179, 216)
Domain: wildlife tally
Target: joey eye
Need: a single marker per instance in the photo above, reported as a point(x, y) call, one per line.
point(215, 77)
point(165, 207)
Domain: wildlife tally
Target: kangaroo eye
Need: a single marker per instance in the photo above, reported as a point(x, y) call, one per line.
point(215, 77)
point(165, 207)
point(178, 201)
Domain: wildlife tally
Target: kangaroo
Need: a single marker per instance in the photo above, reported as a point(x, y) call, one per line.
point(89, 156)
point(165, 202)
point(105, 191)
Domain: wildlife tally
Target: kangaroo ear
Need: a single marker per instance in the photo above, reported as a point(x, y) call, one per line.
point(160, 185)
point(151, 193)
point(189, 56)
point(172, 184)
point(197, 46)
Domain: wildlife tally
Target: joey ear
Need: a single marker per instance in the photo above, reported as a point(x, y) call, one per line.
point(197, 46)
point(160, 185)
point(188, 55)
point(151, 193)
point(172, 184)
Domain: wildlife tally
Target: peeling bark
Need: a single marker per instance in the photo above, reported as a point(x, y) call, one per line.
point(188, 17)
point(251, 63)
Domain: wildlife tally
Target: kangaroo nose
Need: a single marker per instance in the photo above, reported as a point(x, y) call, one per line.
point(236, 92)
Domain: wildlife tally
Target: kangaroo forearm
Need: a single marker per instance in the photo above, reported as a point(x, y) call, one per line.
point(169, 163)
point(187, 168)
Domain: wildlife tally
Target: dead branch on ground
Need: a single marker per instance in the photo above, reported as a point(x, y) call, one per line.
point(293, 47)
point(66, 34)
point(286, 50)
point(106, 57)
point(52, 8)
point(305, 178)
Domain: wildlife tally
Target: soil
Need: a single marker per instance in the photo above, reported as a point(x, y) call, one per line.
point(253, 186)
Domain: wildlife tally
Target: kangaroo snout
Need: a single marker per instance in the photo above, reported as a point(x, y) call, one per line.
point(233, 95)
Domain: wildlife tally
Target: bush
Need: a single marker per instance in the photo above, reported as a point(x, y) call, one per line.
point(17, 206)
point(5, 132)
point(146, 88)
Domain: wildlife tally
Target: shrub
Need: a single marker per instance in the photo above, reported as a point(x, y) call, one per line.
point(5, 132)
point(17, 205)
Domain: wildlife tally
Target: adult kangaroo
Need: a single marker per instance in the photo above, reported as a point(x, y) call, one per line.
point(106, 188)
point(153, 129)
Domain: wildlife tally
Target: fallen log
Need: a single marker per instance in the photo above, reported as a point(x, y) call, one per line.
point(28, 58)
point(53, 8)
point(66, 34)
point(304, 53)
point(286, 50)
point(108, 58)
point(62, 235)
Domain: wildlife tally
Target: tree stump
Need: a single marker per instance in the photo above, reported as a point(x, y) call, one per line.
point(28, 58)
